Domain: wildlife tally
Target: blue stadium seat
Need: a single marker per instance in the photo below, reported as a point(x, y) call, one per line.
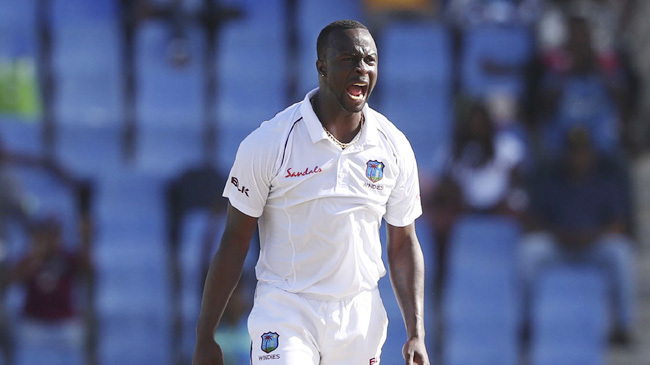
point(18, 28)
point(170, 102)
point(508, 45)
point(70, 12)
point(168, 95)
point(569, 316)
point(89, 151)
point(132, 277)
point(130, 205)
point(87, 61)
point(260, 31)
point(167, 150)
point(415, 52)
point(192, 236)
point(21, 136)
point(480, 304)
point(134, 339)
point(242, 104)
point(414, 87)
point(132, 281)
point(229, 142)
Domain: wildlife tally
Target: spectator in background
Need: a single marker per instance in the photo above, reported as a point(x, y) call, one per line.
point(603, 18)
point(580, 88)
point(578, 215)
point(51, 330)
point(443, 208)
point(12, 207)
point(482, 177)
point(485, 163)
point(636, 33)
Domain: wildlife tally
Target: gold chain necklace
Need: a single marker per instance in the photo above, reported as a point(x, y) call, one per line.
point(334, 139)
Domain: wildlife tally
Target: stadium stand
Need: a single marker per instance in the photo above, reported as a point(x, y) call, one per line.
point(569, 317)
point(417, 74)
point(481, 299)
point(415, 89)
point(507, 48)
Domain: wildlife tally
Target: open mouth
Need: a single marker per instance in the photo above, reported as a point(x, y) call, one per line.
point(357, 91)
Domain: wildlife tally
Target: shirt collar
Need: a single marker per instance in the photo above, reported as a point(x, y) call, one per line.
point(369, 134)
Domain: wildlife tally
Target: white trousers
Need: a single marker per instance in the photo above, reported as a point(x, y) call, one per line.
point(295, 329)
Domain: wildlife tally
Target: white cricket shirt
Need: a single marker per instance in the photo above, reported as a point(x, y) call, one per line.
point(320, 207)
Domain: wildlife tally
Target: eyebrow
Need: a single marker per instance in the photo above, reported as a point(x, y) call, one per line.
point(355, 53)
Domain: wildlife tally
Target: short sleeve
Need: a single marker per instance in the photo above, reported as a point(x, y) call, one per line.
point(404, 204)
point(248, 183)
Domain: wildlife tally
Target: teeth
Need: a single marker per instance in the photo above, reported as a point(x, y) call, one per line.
point(360, 96)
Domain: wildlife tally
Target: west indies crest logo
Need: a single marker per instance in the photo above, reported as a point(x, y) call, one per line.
point(270, 341)
point(374, 170)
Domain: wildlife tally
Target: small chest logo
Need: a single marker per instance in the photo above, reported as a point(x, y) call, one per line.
point(270, 341)
point(374, 170)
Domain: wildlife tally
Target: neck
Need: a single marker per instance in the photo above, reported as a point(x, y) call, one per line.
point(343, 125)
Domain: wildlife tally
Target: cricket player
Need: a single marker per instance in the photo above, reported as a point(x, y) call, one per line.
point(317, 179)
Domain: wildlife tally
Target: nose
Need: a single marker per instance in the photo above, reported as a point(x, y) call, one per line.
point(362, 67)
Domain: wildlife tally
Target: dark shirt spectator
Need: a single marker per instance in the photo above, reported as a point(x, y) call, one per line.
point(579, 216)
point(580, 206)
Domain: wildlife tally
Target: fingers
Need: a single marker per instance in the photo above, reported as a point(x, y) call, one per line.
point(415, 357)
point(421, 360)
point(409, 354)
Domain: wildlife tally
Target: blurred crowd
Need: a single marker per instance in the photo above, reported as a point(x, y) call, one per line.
point(555, 157)
point(48, 321)
point(552, 153)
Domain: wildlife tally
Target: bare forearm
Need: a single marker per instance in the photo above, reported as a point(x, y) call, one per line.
point(407, 277)
point(221, 279)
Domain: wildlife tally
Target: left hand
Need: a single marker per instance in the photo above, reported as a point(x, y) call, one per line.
point(415, 352)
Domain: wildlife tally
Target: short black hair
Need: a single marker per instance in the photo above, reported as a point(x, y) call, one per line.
point(321, 43)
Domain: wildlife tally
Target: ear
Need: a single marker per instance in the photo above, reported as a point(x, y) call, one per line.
point(321, 67)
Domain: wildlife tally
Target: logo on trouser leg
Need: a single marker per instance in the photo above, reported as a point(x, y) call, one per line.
point(373, 361)
point(270, 342)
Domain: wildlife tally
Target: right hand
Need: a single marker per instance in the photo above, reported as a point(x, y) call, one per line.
point(208, 353)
